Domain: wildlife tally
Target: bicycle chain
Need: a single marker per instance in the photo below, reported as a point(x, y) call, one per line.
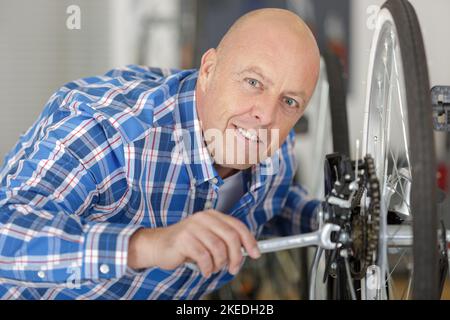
point(374, 210)
point(365, 228)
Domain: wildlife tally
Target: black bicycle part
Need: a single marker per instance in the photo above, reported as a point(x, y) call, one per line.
point(346, 182)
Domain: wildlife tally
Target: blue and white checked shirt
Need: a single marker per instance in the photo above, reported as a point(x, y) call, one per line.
point(103, 160)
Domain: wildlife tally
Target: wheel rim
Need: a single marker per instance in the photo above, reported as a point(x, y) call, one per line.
point(388, 140)
point(387, 136)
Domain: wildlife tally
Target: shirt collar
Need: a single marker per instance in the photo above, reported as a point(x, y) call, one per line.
point(189, 132)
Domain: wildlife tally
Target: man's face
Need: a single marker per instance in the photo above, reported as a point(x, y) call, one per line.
point(252, 95)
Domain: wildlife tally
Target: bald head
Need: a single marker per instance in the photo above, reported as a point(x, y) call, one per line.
point(279, 21)
point(261, 76)
point(276, 33)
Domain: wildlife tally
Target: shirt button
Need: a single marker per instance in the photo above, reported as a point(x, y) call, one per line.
point(193, 182)
point(104, 268)
point(41, 274)
point(215, 181)
point(208, 205)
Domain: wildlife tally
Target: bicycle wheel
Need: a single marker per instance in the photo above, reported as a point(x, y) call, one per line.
point(399, 135)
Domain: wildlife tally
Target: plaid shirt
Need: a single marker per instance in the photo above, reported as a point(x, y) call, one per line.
point(102, 160)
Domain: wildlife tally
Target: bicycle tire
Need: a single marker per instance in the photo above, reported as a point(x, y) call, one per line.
point(425, 282)
point(338, 102)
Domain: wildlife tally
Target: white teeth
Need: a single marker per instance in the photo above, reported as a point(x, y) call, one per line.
point(247, 134)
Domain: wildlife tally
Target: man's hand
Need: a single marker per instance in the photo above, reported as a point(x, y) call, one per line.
point(209, 238)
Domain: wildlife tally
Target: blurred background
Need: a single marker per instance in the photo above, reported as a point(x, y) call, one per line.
point(46, 43)
point(41, 47)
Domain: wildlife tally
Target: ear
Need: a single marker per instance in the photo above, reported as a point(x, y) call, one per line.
point(207, 67)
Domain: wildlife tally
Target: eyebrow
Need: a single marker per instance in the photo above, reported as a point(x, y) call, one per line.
point(257, 70)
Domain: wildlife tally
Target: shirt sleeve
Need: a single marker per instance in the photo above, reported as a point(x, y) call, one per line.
point(297, 216)
point(47, 236)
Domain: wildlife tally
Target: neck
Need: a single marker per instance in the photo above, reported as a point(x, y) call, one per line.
point(224, 172)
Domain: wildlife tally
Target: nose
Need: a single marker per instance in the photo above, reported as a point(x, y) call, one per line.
point(264, 111)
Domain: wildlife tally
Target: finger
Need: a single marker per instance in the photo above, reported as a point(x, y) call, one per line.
point(198, 253)
point(216, 247)
point(231, 238)
point(247, 238)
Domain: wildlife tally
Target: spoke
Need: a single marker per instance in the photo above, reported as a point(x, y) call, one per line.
point(406, 203)
point(392, 287)
point(396, 265)
point(387, 128)
point(401, 195)
point(405, 142)
point(408, 288)
point(394, 166)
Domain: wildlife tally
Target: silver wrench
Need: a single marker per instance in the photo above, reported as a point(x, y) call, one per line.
point(320, 238)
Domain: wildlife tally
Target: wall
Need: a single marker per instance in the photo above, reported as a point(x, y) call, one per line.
point(38, 54)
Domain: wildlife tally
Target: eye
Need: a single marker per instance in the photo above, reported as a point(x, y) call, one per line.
point(291, 102)
point(253, 82)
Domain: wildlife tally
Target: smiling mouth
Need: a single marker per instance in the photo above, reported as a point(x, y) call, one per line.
point(246, 134)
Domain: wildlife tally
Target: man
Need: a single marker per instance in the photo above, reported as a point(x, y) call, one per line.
point(125, 178)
